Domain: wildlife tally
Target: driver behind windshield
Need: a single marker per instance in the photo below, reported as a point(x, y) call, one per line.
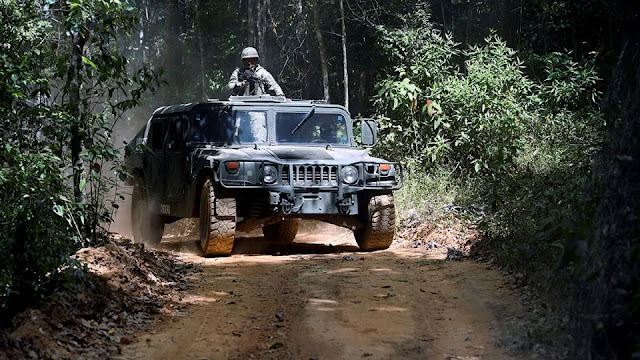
point(319, 128)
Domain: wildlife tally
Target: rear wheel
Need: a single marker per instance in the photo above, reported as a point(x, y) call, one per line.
point(217, 222)
point(380, 223)
point(147, 227)
point(282, 232)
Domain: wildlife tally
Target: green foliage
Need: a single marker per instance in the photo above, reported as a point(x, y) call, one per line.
point(428, 191)
point(519, 140)
point(484, 118)
point(38, 219)
point(473, 120)
point(568, 94)
point(48, 100)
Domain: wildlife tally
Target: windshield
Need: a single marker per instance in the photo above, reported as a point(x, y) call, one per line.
point(223, 127)
point(318, 128)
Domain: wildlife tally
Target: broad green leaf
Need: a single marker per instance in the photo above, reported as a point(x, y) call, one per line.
point(58, 210)
point(88, 61)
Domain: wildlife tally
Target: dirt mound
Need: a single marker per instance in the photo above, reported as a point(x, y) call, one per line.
point(99, 310)
point(444, 235)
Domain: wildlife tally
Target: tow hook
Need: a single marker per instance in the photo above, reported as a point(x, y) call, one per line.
point(286, 206)
point(344, 205)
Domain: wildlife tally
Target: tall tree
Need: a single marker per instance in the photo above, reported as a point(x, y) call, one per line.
point(323, 52)
point(78, 40)
point(198, 29)
point(344, 56)
point(172, 54)
point(251, 22)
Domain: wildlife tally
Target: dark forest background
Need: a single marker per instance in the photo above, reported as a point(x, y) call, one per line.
point(527, 107)
point(198, 43)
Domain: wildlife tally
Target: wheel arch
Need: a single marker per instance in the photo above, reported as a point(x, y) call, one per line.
point(203, 175)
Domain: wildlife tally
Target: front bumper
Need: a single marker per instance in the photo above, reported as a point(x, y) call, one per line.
point(310, 188)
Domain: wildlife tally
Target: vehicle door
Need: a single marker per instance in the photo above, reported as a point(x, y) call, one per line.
point(154, 157)
point(175, 173)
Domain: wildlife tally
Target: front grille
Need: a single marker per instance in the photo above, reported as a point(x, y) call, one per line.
point(314, 175)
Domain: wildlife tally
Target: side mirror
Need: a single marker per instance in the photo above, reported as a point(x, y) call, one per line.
point(369, 133)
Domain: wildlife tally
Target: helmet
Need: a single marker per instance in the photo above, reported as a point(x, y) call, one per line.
point(249, 52)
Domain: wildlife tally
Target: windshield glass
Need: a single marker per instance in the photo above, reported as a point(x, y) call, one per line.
point(318, 129)
point(230, 127)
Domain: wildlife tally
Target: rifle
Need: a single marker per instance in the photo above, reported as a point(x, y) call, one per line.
point(250, 76)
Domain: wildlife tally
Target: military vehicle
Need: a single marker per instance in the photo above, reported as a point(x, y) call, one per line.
point(259, 161)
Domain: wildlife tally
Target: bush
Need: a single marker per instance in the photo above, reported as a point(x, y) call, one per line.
point(58, 107)
point(523, 146)
point(37, 223)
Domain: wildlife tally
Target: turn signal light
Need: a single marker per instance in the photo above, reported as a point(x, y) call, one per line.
point(233, 165)
point(384, 169)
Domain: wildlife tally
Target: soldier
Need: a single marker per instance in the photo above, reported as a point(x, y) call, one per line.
point(252, 79)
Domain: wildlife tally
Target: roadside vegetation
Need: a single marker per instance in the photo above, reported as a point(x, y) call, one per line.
point(63, 86)
point(481, 109)
point(526, 138)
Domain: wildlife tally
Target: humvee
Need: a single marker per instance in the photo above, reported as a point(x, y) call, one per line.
point(259, 161)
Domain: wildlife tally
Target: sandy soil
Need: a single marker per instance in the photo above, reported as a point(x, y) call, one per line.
point(321, 299)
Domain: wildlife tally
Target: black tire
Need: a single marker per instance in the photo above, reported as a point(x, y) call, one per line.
point(217, 222)
point(147, 227)
point(380, 221)
point(282, 232)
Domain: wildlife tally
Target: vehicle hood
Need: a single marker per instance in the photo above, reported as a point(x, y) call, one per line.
point(293, 154)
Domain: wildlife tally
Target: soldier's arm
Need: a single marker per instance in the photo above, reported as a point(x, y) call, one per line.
point(272, 83)
point(233, 80)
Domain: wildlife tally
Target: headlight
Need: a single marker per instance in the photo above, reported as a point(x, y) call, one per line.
point(269, 174)
point(349, 174)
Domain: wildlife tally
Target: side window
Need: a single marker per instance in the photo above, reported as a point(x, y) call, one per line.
point(156, 135)
point(138, 140)
point(251, 126)
point(178, 132)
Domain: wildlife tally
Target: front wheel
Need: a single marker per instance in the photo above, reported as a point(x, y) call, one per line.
point(217, 222)
point(147, 227)
point(282, 232)
point(380, 226)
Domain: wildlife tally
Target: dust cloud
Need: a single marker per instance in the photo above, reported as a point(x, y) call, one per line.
point(122, 216)
point(317, 232)
point(123, 132)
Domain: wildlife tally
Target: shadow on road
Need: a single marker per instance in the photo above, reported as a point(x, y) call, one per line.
point(258, 246)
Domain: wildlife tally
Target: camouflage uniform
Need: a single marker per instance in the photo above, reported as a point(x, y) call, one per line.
point(267, 83)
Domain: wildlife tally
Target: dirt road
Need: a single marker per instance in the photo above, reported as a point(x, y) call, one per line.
point(321, 299)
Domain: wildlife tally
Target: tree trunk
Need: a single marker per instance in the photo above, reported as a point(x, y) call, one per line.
point(172, 51)
point(444, 19)
point(251, 23)
point(300, 23)
point(143, 21)
point(453, 21)
point(610, 296)
point(78, 42)
point(344, 57)
point(505, 22)
point(468, 29)
point(261, 25)
point(323, 53)
point(198, 25)
point(520, 26)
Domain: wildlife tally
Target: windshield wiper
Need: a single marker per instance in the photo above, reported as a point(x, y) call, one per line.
point(304, 119)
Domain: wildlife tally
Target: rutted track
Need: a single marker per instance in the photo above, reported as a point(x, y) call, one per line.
point(310, 300)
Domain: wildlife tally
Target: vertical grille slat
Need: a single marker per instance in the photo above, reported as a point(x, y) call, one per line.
point(285, 175)
point(313, 175)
